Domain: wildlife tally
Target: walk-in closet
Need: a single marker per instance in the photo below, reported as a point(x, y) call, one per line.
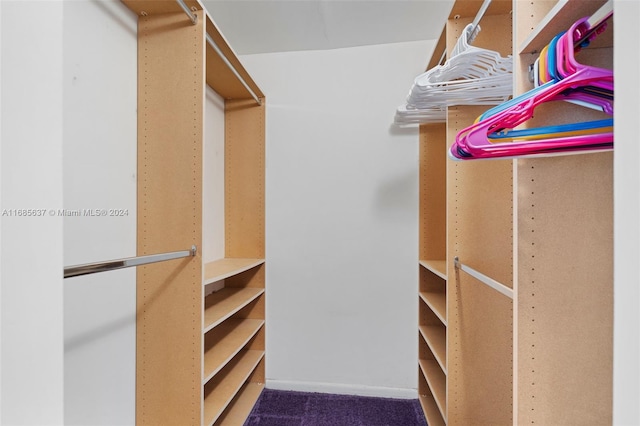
point(319, 212)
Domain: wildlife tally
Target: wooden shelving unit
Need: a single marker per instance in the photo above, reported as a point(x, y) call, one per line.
point(542, 227)
point(199, 360)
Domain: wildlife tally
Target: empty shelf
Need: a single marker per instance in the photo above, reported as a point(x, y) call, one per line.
point(240, 408)
point(228, 267)
point(229, 338)
point(437, 383)
point(221, 390)
point(438, 267)
point(436, 338)
point(222, 304)
point(431, 411)
point(437, 302)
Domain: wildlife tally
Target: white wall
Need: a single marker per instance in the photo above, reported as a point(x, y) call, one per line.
point(341, 219)
point(626, 380)
point(100, 95)
point(31, 247)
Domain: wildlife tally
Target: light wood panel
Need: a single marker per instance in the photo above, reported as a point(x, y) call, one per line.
point(437, 302)
point(437, 384)
point(433, 195)
point(222, 304)
point(169, 294)
point(436, 338)
point(480, 222)
point(225, 341)
point(431, 411)
point(220, 391)
point(563, 347)
point(240, 408)
point(438, 267)
point(219, 76)
point(557, 16)
point(565, 279)
point(225, 268)
point(244, 179)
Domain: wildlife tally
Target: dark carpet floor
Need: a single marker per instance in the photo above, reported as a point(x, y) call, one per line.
point(287, 408)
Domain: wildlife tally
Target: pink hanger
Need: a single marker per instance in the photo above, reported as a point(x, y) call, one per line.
point(473, 141)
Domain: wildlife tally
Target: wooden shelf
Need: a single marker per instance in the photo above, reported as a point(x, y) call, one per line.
point(436, 338)
point(438, 267)
point(431, 411)
point(437, 383)
point(222, 304)
point(565, 12)
point(228, 267)
point(230, 337)
point(437, 302)
point(241, 406)
point(221, 390)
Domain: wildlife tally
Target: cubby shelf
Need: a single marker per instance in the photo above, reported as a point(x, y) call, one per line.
point(438, 267)
point(437, 383)
point(431, 411)
point(223, 388)
point(437, 302)
point(239, 408)
point(228, 267)
point(224, 303)
point(225, 341)
point(435, 337)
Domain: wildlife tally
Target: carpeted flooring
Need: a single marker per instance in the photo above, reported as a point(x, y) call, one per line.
point(287, 408)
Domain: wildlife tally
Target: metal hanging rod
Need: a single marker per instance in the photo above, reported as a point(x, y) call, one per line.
point(214, 46)
point(479, 15)
point(232, 68)
point(110, 265)
point(190, 14)
point(483, 278)
point(476, 21)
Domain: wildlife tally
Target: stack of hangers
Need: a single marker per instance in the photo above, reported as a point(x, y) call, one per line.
point(558, 77)
point(471, 76)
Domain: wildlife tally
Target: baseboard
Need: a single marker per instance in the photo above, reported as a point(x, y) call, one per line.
point(342, 389)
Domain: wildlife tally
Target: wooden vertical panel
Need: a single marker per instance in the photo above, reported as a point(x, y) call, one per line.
point(479, 319)
point(563, 325)
point(565, 290)
point(479, 222)
point(169, 294)
point(244, 178)
point(433, 194)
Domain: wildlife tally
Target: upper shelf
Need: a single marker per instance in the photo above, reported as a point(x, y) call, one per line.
point(558, 19)
point(228, 267)
point(218, 74)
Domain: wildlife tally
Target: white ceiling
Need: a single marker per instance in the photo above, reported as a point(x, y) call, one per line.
point(262, 26)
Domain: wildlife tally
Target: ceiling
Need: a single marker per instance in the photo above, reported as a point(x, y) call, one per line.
point(265, 26)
